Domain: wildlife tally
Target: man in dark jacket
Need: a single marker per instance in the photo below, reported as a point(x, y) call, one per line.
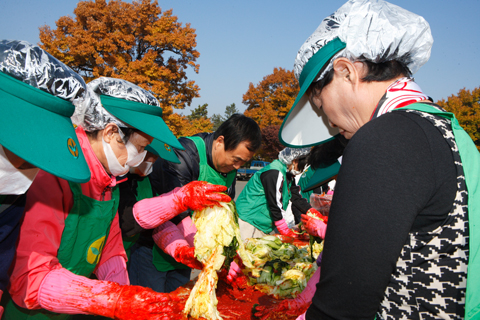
point(212, 157)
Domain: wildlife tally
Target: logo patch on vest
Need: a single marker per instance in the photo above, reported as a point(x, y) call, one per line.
point(95, 251)
point(167, 147)
point(72, 147)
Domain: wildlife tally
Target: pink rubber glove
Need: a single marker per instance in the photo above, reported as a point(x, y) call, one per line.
point(170, 239)
point(114, 269)
point(62, 291)
point(234, 272)
point(302, 316)
point(188, 229)
point(235, 276)
point(314, 227)
point(292, 306)
point(196, 195)
point(284, 229)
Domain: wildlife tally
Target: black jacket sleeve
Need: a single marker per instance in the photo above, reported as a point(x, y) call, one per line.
point(397, 177)
point(272, 181)
point(300, 205)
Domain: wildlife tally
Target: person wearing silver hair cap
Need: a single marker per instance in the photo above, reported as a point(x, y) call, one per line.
point(263, 202)
point(403, 222)
point(36, 94)
point(71, 230)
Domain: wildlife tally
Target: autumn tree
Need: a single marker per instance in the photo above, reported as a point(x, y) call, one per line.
point(269, 101)
point(218, 119)
point(198, 121)
point(271, 145)
point(133, 41)
point(466, 107)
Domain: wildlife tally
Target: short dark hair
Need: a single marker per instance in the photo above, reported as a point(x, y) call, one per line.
point(383, 71)
point(239, 128)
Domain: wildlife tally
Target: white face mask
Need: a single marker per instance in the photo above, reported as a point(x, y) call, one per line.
point(13, 180)
point(134, 158)
point(114, 166)
point(143, 169)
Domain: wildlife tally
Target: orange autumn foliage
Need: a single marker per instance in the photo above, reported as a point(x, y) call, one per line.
point(466, 107)
point(132, 41)
point(270, 100)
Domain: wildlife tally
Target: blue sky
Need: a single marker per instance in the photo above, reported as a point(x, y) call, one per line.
point(242, 41)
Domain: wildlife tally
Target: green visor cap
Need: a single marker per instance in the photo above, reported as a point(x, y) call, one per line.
point(162, 150)
point(322, 175)
point(143, 117)
point(36, 126)
point(306, 125)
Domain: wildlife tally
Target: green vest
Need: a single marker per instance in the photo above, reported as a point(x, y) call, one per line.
point(163, 261)
point(303, 182)
point(86, 230)
point(144, 191)
point(471, 167)
point(252, 205)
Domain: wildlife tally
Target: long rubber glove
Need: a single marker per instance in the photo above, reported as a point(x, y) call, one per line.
point(284, 229)
point(188, 229)
point(171, 240)
point(62, 291)
point(314, 227)
point(292, 306)
point(196, 195)
point(114, 269)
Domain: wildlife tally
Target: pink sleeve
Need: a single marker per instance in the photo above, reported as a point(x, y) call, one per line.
point(49, 200)
point(168, 237)
point(188, 229)
point(115, 270)
point(114, 245)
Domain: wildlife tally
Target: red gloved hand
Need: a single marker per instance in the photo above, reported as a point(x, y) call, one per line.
point(318, 214)
point(198, 195)
point(284, 229)
point(186, 255)
point(135, 302)
point(314, 227)
point(234, 272)
point(235, 276)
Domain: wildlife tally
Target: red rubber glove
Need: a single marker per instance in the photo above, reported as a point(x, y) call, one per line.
point(198, 195)
point(140, 303)
point(318, 214)
point(170, 239)
point(284, 229)
point(62, 291)
point(186, 255)
point(314, 227)
point(234, 272)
